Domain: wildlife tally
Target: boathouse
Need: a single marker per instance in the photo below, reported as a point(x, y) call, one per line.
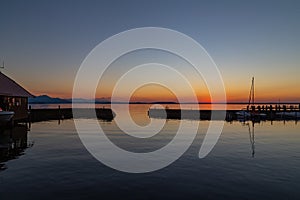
point(13, 97)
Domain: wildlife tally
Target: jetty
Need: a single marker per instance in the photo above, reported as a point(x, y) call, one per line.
point(278, 112)
point(37, 115)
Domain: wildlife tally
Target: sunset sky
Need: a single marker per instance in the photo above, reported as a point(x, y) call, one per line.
point(44, 42)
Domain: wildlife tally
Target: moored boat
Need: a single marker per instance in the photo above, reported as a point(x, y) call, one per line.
point(243, 114)
point(5, 117)
point(289, 115)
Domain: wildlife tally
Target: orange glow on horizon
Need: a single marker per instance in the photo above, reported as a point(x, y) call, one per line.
point(166, 98)
point(143, 95)
point(150, 93)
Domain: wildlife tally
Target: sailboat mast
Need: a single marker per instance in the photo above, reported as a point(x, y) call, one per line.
point(252, 91)
point(251, 94)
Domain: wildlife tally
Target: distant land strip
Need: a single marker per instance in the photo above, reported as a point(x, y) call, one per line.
point(44, 99)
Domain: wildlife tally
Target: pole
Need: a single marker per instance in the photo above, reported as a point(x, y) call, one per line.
point(253, 91)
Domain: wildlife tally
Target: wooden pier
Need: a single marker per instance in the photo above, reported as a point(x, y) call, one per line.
point(37, 115)
point(228, 115)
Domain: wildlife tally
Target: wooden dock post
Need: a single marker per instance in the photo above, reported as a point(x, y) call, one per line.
point(29, 117)
point(59, 112)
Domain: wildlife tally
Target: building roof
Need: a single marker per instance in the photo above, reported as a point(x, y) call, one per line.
point(9, 87)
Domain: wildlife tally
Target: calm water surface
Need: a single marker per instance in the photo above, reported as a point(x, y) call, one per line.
point(50, 162)
point(172, 106)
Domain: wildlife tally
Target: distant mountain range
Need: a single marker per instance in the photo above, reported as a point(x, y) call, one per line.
point(45, 99)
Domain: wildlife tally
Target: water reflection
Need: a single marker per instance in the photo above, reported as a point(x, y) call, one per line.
point(251, 131)
point(252, 137)
point(13, 143)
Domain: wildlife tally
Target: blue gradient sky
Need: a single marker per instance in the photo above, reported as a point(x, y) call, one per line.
point(44, 42)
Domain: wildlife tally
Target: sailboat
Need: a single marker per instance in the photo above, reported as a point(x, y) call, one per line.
point(249, 112)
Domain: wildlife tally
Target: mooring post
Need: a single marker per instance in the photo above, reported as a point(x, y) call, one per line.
point(29, 114)
point(59, 113)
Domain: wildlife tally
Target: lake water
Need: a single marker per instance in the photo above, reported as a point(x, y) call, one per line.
point(172, 106)
point(50, 162)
